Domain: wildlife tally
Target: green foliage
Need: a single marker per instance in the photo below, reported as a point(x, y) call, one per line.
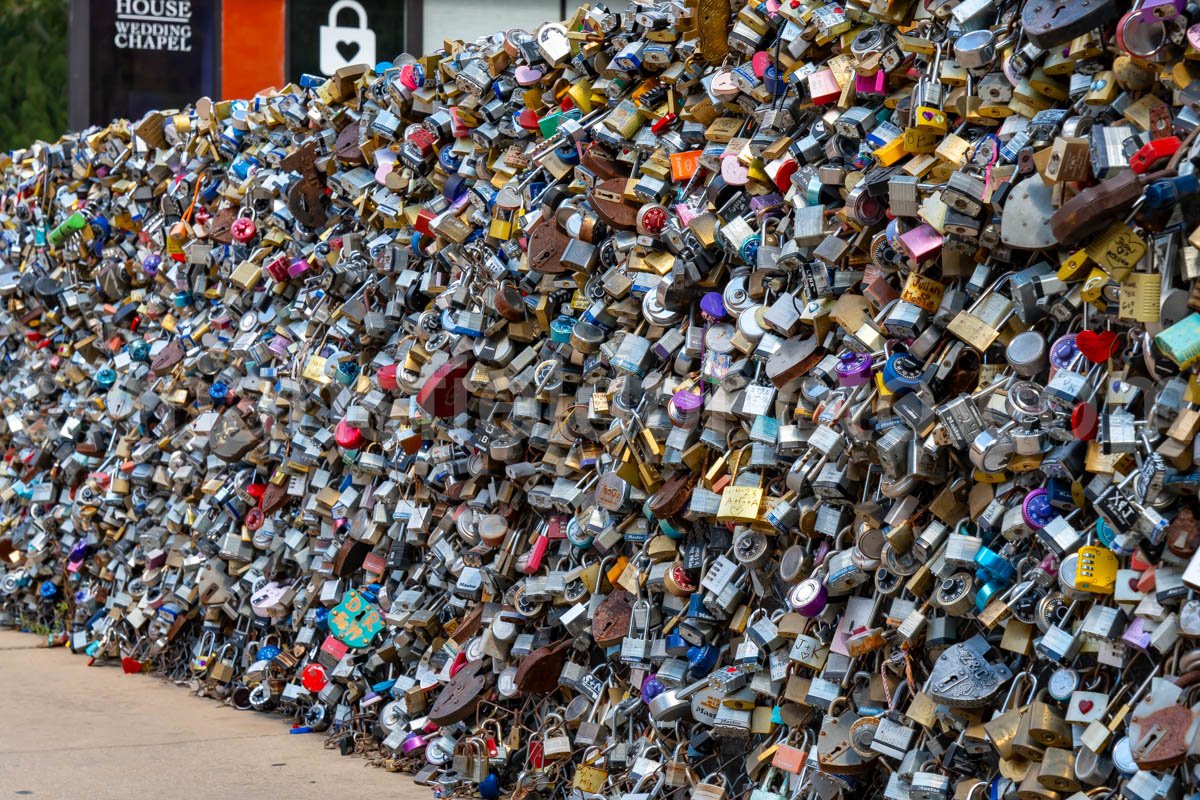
point(33, 71)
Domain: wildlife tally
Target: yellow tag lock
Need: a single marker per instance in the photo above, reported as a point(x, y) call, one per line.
point(1074, 267)
point(1118, 249)
point(1096, 570)
point(1141, 297)
point(500, 229)
point(920, 140)
point(931, 118)
point(740, 504)
point(1093, 287)
point(314, 370)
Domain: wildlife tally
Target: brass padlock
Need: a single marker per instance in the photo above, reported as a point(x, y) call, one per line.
point(1046, 725)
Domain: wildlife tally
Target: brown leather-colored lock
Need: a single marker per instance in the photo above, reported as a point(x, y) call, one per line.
point(1094, 208)
point(611, 622)
point(1183, 534)
point(469, 625)
point(349, 558)
point(230, 438)
point(602, 164)
point(346, 146)
point(510, 303)
point(673, 496)
point(608, 198)
point(306, 196)
point(167, 358)
point(220, 230)
point(1161, 737)
point(274, 497)
point(460, 697)
point(538, 673)
point(546, 242)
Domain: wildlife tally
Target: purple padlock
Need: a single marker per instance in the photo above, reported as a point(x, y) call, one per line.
point(1136, 635)
point(809, 597)
point(684, 410)
point(298, 267)
point(279, 346)
point(652, 687)
point(712, 306)
point(1036, 509)
point(1063, 351)
point(854, 369)
point(413, 743)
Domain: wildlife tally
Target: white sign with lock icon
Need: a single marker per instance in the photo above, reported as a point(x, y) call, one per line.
point(341, 45)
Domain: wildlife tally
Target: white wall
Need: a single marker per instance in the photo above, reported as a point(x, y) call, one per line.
point(469, 19)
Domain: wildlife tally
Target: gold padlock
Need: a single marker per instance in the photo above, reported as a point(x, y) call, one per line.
point(1057, 771)
point(1031, 789)
point(1024, 745)
point(1002, 729)
point(1047, 726)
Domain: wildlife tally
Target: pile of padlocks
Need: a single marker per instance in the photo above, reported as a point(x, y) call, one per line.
point(772, 400)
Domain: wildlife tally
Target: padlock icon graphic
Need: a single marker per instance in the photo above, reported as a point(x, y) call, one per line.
point(343, 46)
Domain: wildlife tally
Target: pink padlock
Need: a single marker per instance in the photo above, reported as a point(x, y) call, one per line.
point(921, 243)
point(527, 76)
point(243, 228)
point(298, 267)
point(734, 171)
point(874, 84)
point(413, 743)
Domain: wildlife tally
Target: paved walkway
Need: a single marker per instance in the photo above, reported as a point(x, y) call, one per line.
point(69, 731)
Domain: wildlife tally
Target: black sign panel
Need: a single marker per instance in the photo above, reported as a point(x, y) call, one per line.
point(325, 35)
point(148, 54)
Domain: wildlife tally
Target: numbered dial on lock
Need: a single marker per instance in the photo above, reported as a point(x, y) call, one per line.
point(836, 750)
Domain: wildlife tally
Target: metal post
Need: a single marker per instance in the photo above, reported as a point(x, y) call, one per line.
point(414, 26)
point(79, 65)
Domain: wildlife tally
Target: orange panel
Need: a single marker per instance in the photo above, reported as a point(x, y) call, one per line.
point(252, 37)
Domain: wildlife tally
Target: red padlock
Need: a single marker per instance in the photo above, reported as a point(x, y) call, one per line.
point(313, 677)
point(348, 437)
point(386, 378)
point(664, 123)
point(243, 228)
point(277, 268)
point(1153, 152)
point(443, 394)
point(254, 519)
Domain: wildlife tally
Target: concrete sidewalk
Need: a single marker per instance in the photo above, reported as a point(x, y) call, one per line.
point(70, 731)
